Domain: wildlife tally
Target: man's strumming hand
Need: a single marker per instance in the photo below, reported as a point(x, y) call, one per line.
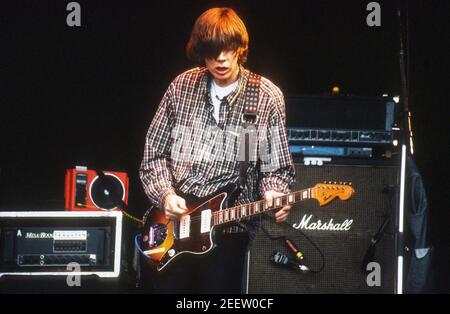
point(174, 206)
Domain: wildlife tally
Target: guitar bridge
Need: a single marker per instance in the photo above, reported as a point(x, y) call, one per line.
point(176, 230)
point(157, 235)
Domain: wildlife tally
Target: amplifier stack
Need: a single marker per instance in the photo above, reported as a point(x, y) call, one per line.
point(337, 240)
point(347, 246)
point(341, 126)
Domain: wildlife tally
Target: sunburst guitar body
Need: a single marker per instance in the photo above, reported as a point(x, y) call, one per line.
point(164, 240)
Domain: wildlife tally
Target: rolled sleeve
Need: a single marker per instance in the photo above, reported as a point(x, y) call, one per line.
point(155, 169)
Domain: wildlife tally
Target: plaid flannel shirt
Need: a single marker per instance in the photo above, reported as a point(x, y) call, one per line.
point(200, 166)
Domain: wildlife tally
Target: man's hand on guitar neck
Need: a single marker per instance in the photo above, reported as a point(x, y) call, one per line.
point(282, 214)
point(174, 206)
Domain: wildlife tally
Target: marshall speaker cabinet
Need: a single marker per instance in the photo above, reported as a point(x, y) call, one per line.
point(345, 246)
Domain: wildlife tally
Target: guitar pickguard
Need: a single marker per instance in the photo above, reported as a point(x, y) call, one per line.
point(193, 234)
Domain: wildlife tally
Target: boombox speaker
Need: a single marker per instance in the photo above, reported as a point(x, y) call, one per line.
point(87, 189)
point(348, 246)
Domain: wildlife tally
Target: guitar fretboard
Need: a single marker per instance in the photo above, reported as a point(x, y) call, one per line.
point(246, 210)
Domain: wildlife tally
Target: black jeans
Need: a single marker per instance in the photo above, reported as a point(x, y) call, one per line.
point(219, 271)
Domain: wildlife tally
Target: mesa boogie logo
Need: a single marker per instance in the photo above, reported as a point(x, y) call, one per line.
point(330, 225)
point(35, 235)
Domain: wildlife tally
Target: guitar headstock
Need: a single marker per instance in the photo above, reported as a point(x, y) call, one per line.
point(325, 192)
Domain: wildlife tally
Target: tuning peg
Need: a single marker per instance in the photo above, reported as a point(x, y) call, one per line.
point(349, 183)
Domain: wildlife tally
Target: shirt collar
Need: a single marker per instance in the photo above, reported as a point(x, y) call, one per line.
point(231, 97)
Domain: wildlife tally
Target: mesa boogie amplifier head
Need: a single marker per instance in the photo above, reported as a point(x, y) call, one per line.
point(59, 243)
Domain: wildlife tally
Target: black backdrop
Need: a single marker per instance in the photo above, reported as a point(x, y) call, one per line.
point(88, 94)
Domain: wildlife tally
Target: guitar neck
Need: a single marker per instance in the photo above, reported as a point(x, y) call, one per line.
point(251, 209)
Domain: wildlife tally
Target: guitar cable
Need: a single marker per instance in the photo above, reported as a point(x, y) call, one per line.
point(137, 241)
point(283, 237)
point(140, 222)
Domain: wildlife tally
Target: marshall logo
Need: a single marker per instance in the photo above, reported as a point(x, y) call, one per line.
point(330, 225)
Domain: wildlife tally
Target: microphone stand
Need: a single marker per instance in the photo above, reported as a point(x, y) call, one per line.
point(406, 134)
point(406, 143)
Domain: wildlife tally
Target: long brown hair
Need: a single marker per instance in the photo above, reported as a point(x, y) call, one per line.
point(217, 30)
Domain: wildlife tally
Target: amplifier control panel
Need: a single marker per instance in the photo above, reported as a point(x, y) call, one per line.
point(298, 135)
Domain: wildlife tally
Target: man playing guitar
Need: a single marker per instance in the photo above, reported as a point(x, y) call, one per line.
point(194, 147)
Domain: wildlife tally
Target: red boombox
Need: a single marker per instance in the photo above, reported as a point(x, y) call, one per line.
point(95, 190)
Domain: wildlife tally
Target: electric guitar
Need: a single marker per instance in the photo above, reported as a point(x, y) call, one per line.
point(163, 240)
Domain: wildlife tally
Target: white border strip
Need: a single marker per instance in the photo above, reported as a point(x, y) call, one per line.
point(55, 214)
point(62, 214)
point(101, 274)
point(248, 272)
point(401, 220)
point(402, 189)
point(118, 248)
point(400, 275)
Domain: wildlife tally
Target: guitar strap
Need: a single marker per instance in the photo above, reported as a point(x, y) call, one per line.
point(249, 118)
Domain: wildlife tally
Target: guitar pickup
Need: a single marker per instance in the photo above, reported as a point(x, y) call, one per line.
point(185, 226)
point(206, 221)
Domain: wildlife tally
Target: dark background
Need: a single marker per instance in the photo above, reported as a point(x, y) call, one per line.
point(88, 94)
